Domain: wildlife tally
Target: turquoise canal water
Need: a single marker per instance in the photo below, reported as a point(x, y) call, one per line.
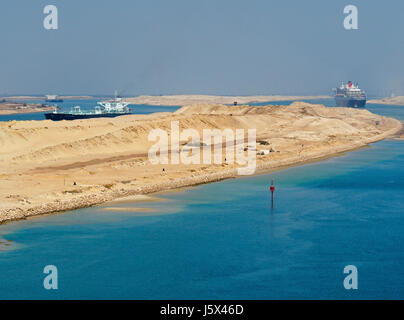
point(223, 241)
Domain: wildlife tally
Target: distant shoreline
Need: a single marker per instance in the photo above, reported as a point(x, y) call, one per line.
point(9, 108)
point(394, 101)
point(181, 100)
point(25, 111)
point(43, 98)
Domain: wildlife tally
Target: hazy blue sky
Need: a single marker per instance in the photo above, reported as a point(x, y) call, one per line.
point(206, 46)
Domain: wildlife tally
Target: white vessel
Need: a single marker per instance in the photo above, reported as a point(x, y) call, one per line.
point(107, 108)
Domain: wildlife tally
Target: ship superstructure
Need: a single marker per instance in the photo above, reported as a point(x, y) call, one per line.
point(105, 109)
point(350, 95)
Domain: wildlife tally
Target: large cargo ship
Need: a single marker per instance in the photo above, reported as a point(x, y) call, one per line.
point(106, 109)
point(350, 95)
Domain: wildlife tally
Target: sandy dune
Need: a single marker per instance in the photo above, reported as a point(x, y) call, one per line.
point(181, 100)
point(7, 107)
point(398, 101)
point(107, 158)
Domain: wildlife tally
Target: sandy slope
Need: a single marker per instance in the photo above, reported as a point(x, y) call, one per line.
point(398, 101)
point(181, 100)
point(107, 158)
point(14, 108)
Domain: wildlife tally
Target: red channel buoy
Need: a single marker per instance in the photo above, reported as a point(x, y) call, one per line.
point(272, 189)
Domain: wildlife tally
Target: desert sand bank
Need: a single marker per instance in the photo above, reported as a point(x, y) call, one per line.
point(16, 108)
point(181, 100)
point(43, 97)
point(108, 158)
point(397, 101)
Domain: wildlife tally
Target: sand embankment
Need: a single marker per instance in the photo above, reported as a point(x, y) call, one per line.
point(8, 107)
point(108, 158)
point(181, 100)
point(396, 101)
point(43, 97)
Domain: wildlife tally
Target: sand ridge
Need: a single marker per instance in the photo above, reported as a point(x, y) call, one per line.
point(55, 166)
point(396, 101)
point(181, 100)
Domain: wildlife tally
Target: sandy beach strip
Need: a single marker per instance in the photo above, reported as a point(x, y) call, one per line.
point(10, 107)
point(25, 110)
point(50, 166)
point(43, 97)
point(395, 101)
point(181, 100)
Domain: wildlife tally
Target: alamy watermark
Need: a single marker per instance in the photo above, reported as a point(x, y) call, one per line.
point(351, 280)
point(351, 20)
point(50, 22)
point(169, 149)
point(50, 282)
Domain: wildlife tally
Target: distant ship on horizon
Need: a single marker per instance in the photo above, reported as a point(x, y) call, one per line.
point(350, 95)
point(53, 98)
